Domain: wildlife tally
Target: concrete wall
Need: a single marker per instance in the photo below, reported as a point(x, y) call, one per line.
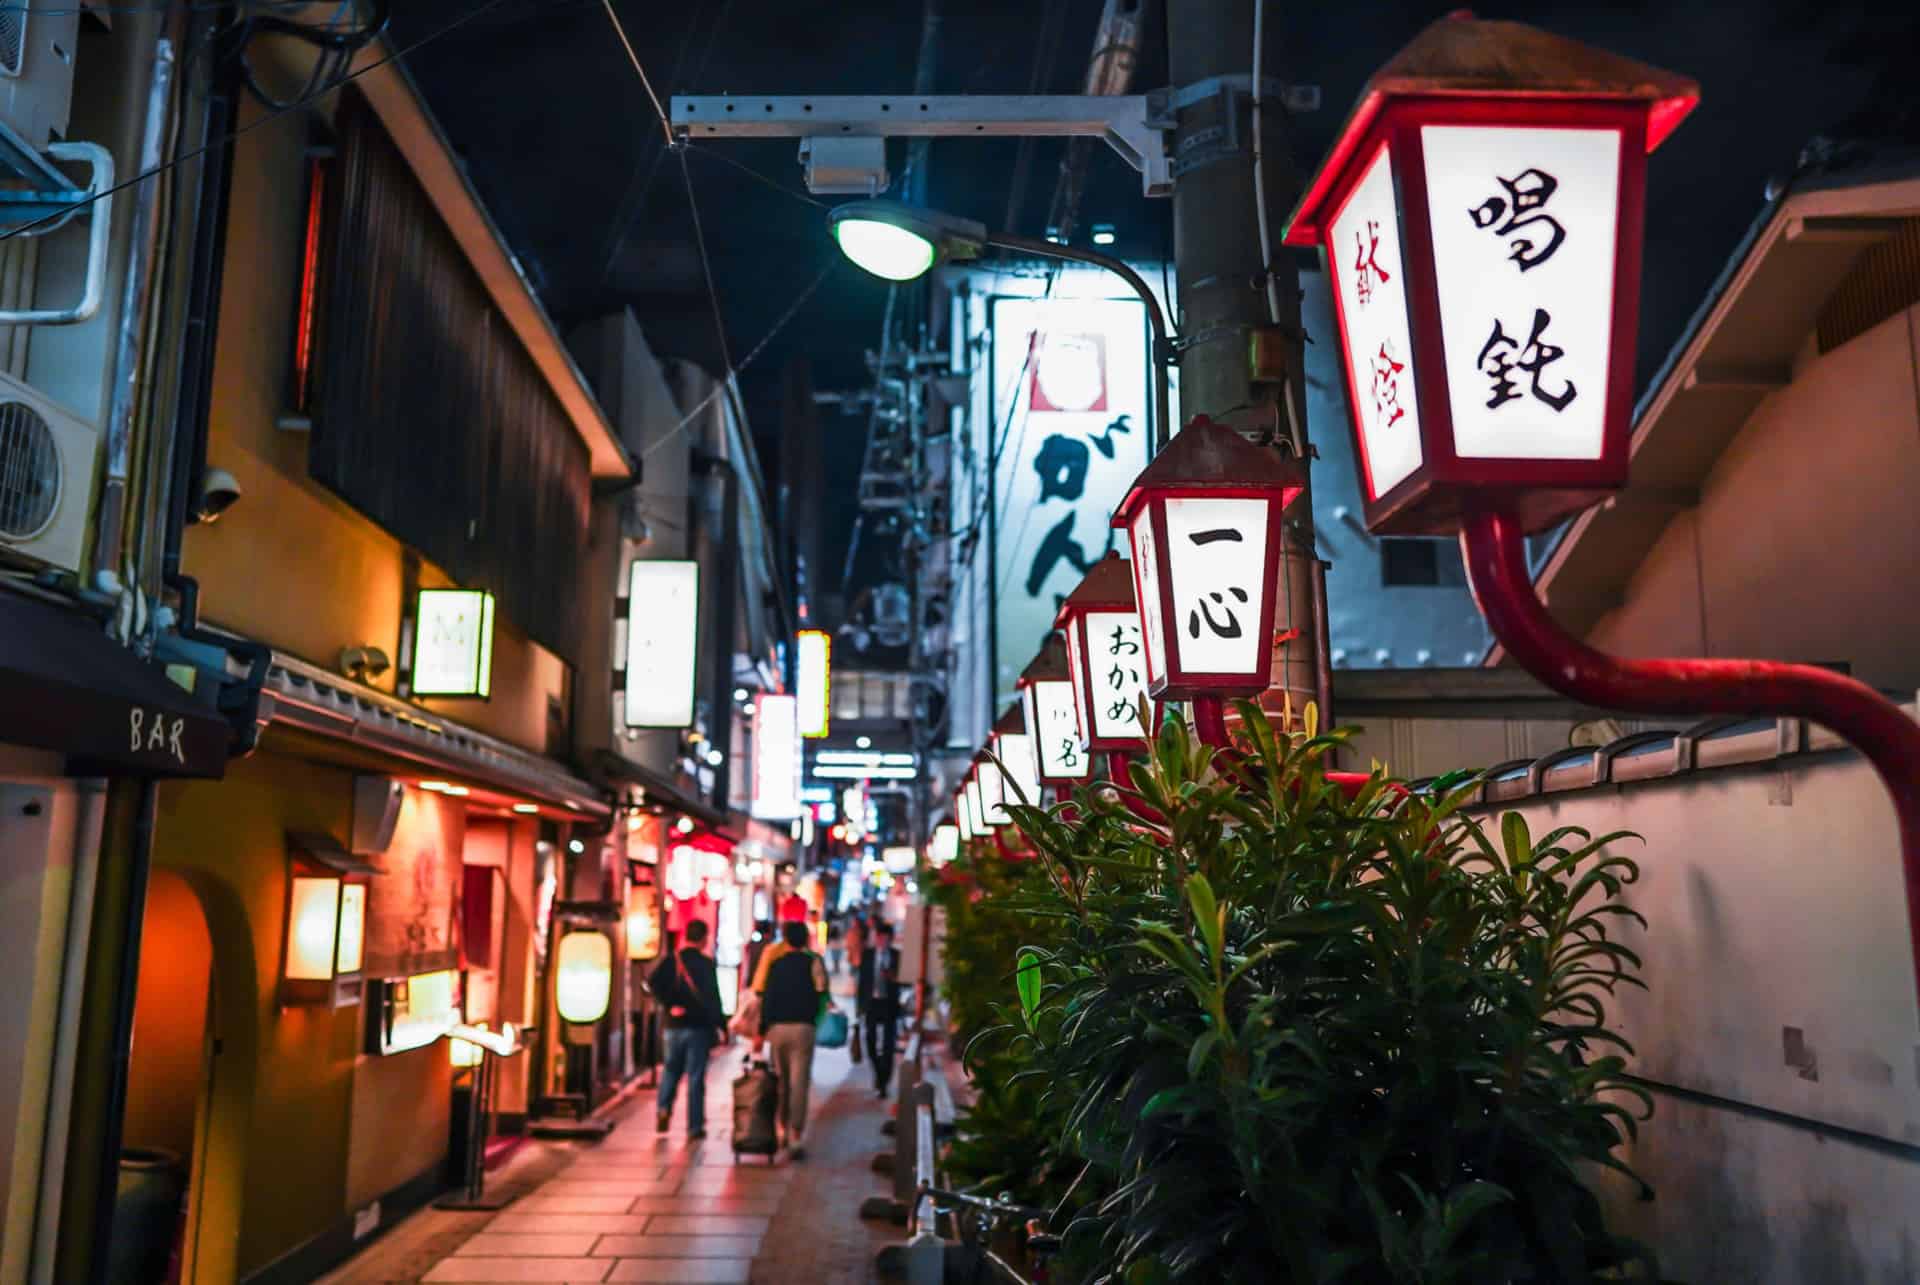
point(337, 580)
point(1799, 524)
point(1778, 1028)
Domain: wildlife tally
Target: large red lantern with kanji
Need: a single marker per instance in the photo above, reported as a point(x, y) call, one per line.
point(1060, 750)
point(1204, 523)
point(1107, 657)
point(1480, 214)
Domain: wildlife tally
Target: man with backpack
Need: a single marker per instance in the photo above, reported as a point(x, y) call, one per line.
point(688, 988)
point(792, 985)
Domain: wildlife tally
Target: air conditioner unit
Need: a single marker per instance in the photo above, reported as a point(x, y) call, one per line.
point(37, 45)
point(46, 477)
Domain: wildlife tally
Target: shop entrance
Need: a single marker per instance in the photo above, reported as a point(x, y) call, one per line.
point(169, 1084)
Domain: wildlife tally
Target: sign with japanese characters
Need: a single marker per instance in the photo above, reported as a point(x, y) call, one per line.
point(1217, 557)
point(1071, 427)
point(453, 643)
point(663, 627)
point(1369, 281)
point(1052, 722)
point(1523, 243)
point(1117, 671)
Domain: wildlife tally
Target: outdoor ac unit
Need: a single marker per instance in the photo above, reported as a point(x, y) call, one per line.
point(46, 477)
point(37, 43)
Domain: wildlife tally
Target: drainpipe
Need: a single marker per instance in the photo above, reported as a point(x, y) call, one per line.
point(110, 534)
point(194, 404)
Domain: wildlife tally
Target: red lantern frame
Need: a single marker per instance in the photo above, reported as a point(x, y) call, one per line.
point(1106, 589)
point(1461, 71)
point(1052, 665)
point(1208, 460)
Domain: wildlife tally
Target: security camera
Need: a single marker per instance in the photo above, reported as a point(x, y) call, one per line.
point(218, 490)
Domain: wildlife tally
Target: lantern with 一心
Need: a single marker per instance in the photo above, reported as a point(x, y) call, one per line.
point(1204, 522)
point(1481, 217)
point(1106, 657)
point(1061, 757)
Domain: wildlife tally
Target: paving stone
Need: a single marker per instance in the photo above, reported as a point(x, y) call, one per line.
point(629, 1224)
point(471, 1271)
point(543, 1244)
point(688, 1271)
point(709, 1224)
point(741, 1247)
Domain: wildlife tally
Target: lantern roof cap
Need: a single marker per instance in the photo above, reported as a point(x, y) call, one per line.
point(1051, 665)
point(1463, 56)
point(1208, 455)
point(1012, 721)
point(1108, 586)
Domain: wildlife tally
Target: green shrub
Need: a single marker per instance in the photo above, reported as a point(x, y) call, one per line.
point(1290, 1035)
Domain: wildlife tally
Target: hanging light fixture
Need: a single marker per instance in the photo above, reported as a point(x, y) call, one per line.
point(1060, 751)
point(1106, 658)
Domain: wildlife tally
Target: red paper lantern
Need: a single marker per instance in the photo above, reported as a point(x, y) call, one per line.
point(1480, 214)
point(1107, 656)
point(1053, 721)
point(1203, 520)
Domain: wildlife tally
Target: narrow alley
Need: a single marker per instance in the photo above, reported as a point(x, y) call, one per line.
point(647, 1206)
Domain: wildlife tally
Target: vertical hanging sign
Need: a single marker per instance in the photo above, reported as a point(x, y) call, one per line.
point(776, 758)
point(813, 683)
point(1071, 428)
point(663, 630)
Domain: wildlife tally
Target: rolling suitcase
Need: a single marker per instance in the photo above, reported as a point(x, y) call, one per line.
point(756, 1099)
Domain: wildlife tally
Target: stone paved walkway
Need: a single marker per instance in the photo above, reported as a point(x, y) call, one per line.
point(645, 1206)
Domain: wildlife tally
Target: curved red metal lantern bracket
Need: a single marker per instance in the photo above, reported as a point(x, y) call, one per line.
point(1493, 544)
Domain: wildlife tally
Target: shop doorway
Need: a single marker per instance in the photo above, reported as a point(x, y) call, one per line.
point(169, 1087)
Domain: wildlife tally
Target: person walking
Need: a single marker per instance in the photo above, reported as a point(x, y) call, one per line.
point(879, 1003)
point(688, 988)
point(792, 985)
point(836, 949)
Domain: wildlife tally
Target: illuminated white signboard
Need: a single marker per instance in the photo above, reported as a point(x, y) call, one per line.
point(776, 758)
point(453, 643)
point(813, 681)
point(663, 632)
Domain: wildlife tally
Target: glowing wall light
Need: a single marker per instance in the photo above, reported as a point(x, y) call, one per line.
point(313, 922)
point(643, 921)
point(349, 950)
point(583, 976)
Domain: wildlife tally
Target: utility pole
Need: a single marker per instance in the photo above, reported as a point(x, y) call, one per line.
point(1225, 317)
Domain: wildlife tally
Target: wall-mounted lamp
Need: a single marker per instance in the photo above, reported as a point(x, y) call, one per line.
point(583, 978)
point(326, 922)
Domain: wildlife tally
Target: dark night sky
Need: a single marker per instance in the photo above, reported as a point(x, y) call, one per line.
point(561, 142)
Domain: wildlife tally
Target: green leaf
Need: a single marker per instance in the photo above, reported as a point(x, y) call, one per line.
point(1207, 915)
point(1026, 981)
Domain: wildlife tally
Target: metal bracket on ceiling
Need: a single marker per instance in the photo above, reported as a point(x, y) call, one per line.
point(1134, 125)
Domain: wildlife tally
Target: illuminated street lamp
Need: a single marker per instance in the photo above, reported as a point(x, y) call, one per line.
point(1204, 522)
point(902, 242)
point(1481, 217)
point(1046, 693)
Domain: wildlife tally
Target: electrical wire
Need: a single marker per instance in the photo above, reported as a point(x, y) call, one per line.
point(396, 55)
point(756, 175)
point(793, 310)
point(634, 58)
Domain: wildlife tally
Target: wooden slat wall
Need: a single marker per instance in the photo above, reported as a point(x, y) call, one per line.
point(429, 416)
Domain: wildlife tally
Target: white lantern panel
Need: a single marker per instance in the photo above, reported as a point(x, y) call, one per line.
point(963, 813)
point(1056, 729)
point(1217, 558)
point(1021, 780)
point(1146, 582)
point(776, 758)
point(1118, 671)
point(993, 794)
point(1370, 281)
point(1524, 224)
point(976, 806)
